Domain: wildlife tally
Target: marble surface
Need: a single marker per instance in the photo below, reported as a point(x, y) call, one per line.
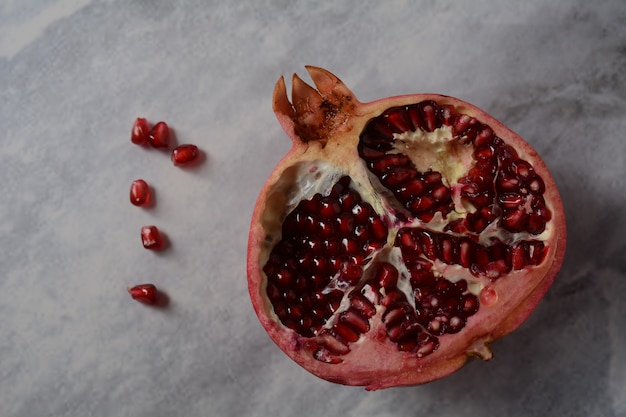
point(75, 73)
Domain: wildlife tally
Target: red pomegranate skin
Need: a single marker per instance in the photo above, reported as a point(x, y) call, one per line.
point(459, 210)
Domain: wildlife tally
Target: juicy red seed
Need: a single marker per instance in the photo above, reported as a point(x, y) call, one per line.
point(399, 119)
point(159, 135)
point(536, 225)
point(433, 178)
point(484, 137)
point(411, 188)
point(361, 304)
point(421, 203)
point(140, 193)
point(429, 245)
point(466, 252)
point(448, 251)
point(514, 220)
point(522, 168)
point(511, 200)
point(427, 344)
point(469, 304)
point(429, 118)
point(507, 153)
point(151, 238)
point(387, 276)
point(184, 154)
point(144, 293)
point(536, 185)
point(355, 320)
point(394, 178)
point(139, 133)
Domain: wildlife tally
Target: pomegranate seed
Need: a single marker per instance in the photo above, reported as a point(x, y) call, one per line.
point(159, 135)
point(184, 154)
point(139, 133)
point(140, 193)
point(144, 293)
point(151, 238)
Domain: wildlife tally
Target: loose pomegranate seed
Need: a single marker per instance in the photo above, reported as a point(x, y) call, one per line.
point(184, 154)
point(159, 136)
point(151, 238)
point(139, 134)
point(140, 193)
point(144, 293)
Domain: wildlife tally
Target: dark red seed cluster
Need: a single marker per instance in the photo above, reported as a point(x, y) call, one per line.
point(422, 193)
point(159, 136)
point(499, 185)
point(441, 306)
point(324, 246)
point(420, 246)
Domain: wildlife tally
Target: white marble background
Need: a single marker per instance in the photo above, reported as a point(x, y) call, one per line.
point(75, 73)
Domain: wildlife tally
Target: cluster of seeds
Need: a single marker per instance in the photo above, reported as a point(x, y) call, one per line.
point(316, 282)
point(159, 137)
point(325, 244)
point(499, 185)
point(422, 193)
point(418, 245)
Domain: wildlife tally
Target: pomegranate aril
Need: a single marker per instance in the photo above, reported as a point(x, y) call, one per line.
point(361, 304)
point(159, 135)
point(522, 168)
point(429, 245)
point(514, 220)
point(466, 252)
point(139, 133)
point(398, 176)
point(392, 297)
point(469, 304)
point(184, 154)
point(387, 276)
point(140, 193)
point(506, 153)
point(427, 344)
point(398, 118)
point(410, 189)
point(511, 200)
point(484, 137)
point(536, 225)
point(151, 238)
point(536, 185)
point(145, 293)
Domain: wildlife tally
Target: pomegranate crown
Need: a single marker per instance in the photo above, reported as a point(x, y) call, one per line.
point(314, 114)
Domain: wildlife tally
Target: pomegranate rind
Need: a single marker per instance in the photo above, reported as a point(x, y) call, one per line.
point(374, 361)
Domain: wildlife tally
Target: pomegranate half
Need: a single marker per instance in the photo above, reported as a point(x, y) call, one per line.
point(398, 237)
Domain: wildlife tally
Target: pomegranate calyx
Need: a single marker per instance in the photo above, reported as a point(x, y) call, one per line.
point(315, 113)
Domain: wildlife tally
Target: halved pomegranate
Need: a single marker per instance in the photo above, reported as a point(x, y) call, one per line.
point(400, 236)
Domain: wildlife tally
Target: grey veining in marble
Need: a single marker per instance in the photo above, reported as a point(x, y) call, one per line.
point(75, 73)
